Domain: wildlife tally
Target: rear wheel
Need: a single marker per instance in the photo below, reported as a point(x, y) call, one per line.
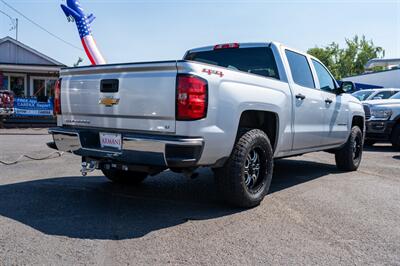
point(246, 176)
point(396, 137)
point(348, 158)
point(125, 177)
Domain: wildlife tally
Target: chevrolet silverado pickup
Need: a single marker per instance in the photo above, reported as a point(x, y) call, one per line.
point(232, 107)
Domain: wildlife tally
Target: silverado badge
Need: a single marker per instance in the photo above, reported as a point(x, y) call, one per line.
point(109, 101)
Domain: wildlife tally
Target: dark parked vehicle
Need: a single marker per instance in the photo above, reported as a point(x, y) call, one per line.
point(383, 121)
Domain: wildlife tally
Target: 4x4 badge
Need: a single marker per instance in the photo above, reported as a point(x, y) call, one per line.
point(215, 72)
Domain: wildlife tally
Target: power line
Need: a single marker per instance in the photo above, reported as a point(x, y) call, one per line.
point(4, 13)
point(14, 22)
point(41, 27)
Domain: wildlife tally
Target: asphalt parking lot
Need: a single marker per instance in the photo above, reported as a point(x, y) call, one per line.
point(314, 214)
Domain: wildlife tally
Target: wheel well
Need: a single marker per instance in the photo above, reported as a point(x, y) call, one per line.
point(358, 121)
point(397, 123)
point(263, 120)
point(397, 119)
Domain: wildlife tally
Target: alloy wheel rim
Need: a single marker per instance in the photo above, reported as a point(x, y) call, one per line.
point(252, 168)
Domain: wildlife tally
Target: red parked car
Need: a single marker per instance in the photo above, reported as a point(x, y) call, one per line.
point(6, 102)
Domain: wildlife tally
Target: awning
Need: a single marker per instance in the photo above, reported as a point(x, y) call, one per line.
point(29, 68)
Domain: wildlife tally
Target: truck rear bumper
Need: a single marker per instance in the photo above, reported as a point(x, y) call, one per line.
point(137, 149)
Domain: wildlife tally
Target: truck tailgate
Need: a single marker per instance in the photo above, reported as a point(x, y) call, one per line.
point(138, 96)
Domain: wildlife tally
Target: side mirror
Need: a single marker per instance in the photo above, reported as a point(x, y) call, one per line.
point(346, 87)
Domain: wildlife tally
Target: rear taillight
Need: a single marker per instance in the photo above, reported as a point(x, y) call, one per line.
point(191, 97)
point(226, 46)
point(57, 97)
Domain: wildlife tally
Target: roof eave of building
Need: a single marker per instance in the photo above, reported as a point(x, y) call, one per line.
point(18, 43)
point(29, 68)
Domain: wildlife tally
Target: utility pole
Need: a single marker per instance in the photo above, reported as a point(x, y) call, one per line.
point(16, 29)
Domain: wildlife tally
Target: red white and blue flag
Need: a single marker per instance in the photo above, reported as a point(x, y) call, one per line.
point(74, 12)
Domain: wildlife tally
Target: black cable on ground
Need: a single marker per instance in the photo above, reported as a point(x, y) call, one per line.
point(50, 156)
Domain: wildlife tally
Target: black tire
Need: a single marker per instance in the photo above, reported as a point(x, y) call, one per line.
point(369, 142)
point(396, 137)
point(241, 185)
point(125, 177)
point(348, 158)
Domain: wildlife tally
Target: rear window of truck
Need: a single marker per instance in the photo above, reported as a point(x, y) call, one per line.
point(258, 61)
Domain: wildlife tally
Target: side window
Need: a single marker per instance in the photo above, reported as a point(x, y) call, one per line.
point(326, 82)
point(383, 95)
point(300, 69)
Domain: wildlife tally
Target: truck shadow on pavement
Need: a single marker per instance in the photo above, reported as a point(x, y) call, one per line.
point(379, 148)
point(93, 208)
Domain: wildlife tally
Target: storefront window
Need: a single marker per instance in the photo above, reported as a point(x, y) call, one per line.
point(50, 88)
point(17, 85)
point(39, 89)
point(43, 88)
point(3, 82)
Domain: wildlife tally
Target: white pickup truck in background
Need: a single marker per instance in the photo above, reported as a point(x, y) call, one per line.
point(233, 107)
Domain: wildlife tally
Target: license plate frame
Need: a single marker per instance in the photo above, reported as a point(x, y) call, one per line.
point(110, 140)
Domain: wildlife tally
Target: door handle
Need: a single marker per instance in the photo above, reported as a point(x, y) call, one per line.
point(109, 85)
point(328, 101)
point(300, 96)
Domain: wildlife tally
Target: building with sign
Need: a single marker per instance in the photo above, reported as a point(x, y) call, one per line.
point(27, 72)
point(389, 77)
point(382, 79)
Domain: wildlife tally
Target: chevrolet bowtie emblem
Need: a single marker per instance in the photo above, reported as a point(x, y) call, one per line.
point(109, 101)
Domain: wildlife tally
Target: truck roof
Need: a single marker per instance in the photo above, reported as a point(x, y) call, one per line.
point(250, 45)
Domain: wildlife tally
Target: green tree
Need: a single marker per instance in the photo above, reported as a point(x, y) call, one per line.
point(348, 61)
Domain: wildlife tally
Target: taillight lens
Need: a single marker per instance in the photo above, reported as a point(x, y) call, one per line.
point(191, 98)
point(57, 97)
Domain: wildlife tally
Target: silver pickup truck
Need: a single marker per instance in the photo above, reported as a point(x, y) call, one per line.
point(232, 107)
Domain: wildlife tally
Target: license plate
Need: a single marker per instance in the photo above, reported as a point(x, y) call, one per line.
point(110, 140)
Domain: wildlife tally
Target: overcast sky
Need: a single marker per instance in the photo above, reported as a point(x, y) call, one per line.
point(145, 30)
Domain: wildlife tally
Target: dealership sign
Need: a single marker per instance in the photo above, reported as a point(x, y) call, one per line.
point(31, 107)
